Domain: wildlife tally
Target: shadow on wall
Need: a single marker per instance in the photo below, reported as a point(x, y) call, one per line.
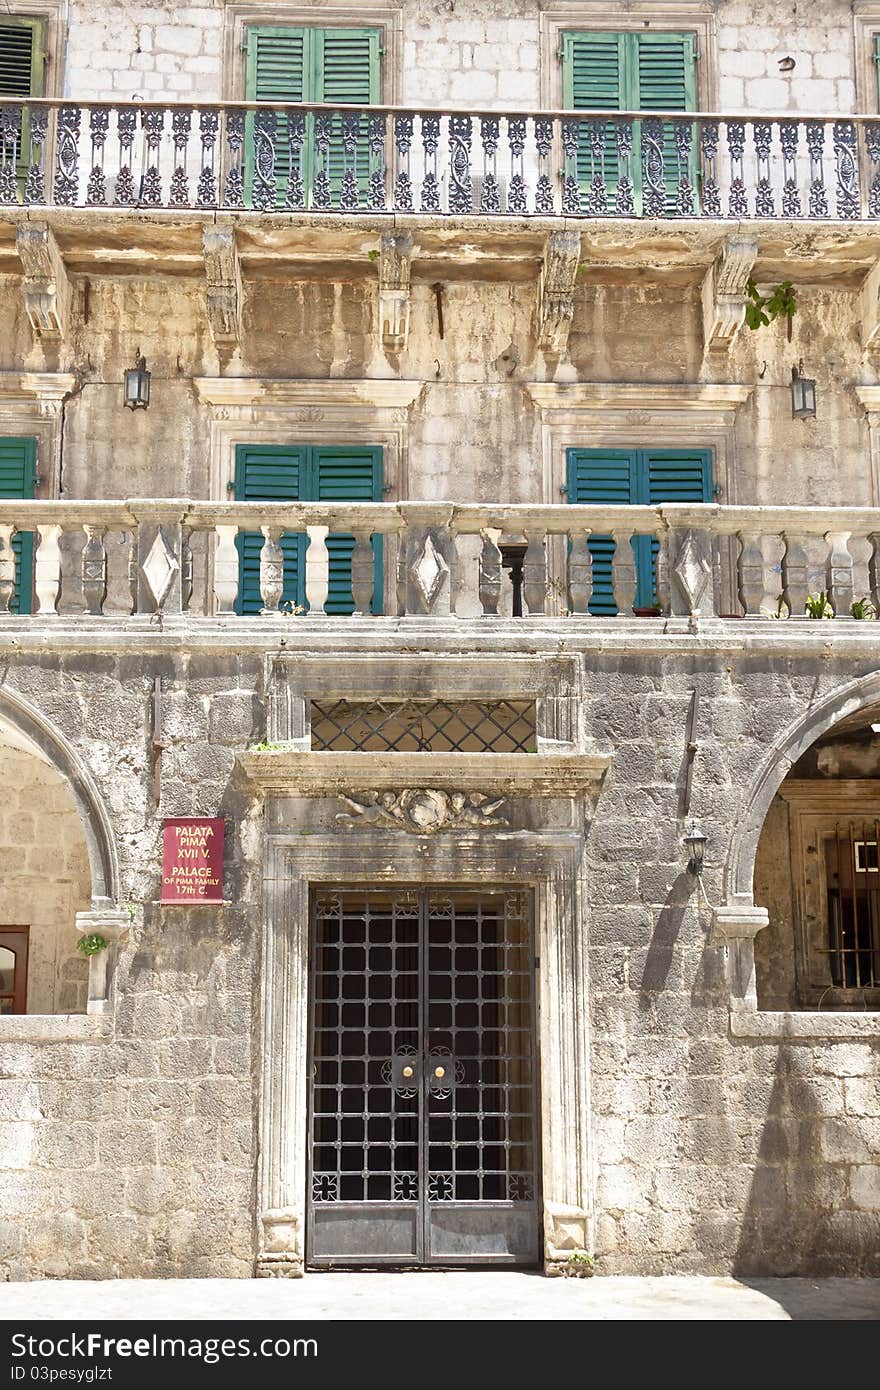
point(813, 1205)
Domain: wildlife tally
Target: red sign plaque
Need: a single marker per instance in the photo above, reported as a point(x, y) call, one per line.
point(192, 860)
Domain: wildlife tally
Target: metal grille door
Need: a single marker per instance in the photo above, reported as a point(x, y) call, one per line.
point(423, 1123)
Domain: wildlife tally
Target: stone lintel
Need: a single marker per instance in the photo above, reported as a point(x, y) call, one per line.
point(514, 774)
point(223, 277)
point(562, 251)
point(395, 263)
point(700, 398)
point(377, 393)
point(46, 286)
point(724, 293)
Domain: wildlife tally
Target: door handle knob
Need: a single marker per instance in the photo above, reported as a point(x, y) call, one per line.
point(407, 1071)
point(439, 1071)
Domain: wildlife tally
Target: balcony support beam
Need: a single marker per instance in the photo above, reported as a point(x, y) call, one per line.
point(395, 263)
point(46, 286)
point(562, 253)
point(224, 294)
point(870, 310)
point(724, 293)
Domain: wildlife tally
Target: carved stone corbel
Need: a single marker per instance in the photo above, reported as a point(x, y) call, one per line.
point(724, 293)
point(223, 274)
point(556, 290)
point(46, 286)
point(395, 263)
point(113, 924)
point(869, 309)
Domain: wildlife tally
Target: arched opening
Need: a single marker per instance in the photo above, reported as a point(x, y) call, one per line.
point(45, 881)
point(817, 868)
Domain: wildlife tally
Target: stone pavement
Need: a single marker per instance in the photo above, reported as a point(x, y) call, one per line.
point(443, 1296)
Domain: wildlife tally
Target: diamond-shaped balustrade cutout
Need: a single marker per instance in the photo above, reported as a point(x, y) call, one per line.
point(692, 571)
point(429, 571)
point(159, 569)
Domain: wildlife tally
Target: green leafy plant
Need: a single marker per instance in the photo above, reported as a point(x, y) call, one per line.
point(581, 1264)
point(762, 309)
point(818, 606)
point(90, 945)
point(267, 748)
point(863, 609)
point(373, 255)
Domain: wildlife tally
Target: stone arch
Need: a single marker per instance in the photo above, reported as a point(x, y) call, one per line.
point(845, 700)
point(35, 729)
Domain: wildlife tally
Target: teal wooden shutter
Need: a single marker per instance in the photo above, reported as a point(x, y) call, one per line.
point(609, 476)
point(348, 474)
point(269, 473)
point(877, 67)
point(640, 477)
point(593, 78)
point(278, 70)
point(306, 473)
point(664, 79)
point(347, 71)
point(18, 468)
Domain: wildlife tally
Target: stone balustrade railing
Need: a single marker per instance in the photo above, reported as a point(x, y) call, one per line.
point(437, 559)
point(300, 158)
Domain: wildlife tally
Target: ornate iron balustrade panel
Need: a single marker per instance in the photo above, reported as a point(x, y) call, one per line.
point(282, 158)
point(412, 726)
point(422, 1113)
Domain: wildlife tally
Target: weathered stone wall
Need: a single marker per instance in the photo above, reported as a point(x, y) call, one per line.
point(44, 878)
point(474, 435)
point(136, 1154)
point(481, 53)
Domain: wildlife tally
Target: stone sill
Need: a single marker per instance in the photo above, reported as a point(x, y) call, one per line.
point(55, 1028)
point(752, 1023)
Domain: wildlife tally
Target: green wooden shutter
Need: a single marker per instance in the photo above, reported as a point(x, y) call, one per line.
point(877, 65)
point(349, 474)
point(22, 73)
point(594, 78)
point(609, 476)
point(664, 67)
point(637, 476)
point(22, 56)
point(270, 473)
point(18, 467)
point(314, 65)
point(347, 71)
point(304, 473)
point(278, 70)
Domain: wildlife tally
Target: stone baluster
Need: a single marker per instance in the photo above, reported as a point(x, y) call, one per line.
point(186, 568)
point(226, 569)
point(7, 568)
point(363, 571)
point(535, 570)
point(795, 574)
point(490, 574)
point(402, 576)
point(623, 570)
point(271, 568)
point(317, 569)
point(47, 570)
point(663, 575)
point(753, 574)
point(839, 573)
point(94, 570)
point(874, 570)
point(580, 572)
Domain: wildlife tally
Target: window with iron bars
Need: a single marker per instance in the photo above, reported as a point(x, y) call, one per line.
point(851, 955)
point(424, 726)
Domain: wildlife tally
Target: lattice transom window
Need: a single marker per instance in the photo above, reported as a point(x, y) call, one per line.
point(424, 726)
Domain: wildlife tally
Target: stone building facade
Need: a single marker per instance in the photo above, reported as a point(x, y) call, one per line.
point(457, 771)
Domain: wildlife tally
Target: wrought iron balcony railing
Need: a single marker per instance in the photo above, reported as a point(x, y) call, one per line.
point(379, 159)
point(441, 560)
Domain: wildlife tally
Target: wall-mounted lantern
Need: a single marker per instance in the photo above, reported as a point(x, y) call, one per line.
point(136, 388)
point(696, 843)
point(803, 394)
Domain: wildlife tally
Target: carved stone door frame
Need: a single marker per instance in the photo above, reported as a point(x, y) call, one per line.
point(548, 860)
